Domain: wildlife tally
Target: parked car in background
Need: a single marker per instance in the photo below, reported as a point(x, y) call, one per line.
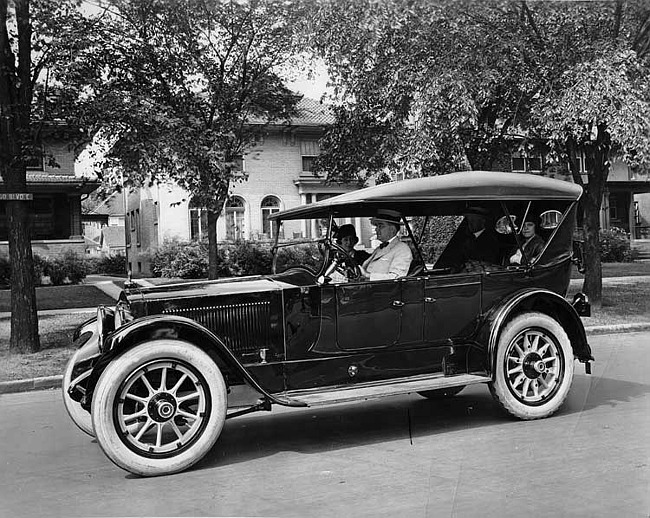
point(155, 378)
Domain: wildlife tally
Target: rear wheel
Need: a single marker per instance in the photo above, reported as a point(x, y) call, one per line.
point(533, 368)
point(159, 408)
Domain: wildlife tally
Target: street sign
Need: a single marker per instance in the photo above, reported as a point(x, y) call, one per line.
point(16, 196)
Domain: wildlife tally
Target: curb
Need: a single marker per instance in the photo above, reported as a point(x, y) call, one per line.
point(54, 382)
point(28, 385)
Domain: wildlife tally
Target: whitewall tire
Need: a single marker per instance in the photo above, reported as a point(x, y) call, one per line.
point(79, 416)
point(533, 367)
point(159, 408)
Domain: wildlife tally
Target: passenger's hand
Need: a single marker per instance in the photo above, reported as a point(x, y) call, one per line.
point(364, 274)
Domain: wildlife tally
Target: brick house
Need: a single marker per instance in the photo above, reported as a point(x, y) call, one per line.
point(279, 176)
point(279, 172)
point(57, 194)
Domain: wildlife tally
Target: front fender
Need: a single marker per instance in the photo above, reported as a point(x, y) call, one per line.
point(543, 301)
point(173, 327)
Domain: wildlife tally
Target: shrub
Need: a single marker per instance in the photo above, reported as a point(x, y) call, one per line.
point(246, 258)
point(180, 259)
point(615, 246)
point(74, 266)
point(70, 267)
point(108, 264)
point(41, 265)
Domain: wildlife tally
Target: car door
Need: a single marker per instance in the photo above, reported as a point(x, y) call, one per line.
point(452, 304)
point(368, 314)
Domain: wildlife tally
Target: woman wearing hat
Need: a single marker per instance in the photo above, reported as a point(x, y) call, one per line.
point(533, 243)
point(391, 259)
point(347, 238)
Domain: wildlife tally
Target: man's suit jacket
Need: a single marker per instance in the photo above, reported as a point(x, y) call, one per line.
point(390, 262)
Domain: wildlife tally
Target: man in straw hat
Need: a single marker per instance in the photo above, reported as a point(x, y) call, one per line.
point(392, 258)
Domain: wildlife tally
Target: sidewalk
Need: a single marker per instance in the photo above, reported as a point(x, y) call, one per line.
point(107, 286)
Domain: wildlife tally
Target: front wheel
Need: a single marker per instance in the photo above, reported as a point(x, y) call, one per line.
point(78, 415)
point(159, 408)
point(533, 368)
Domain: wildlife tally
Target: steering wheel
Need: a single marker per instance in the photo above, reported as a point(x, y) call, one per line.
point(345, 263)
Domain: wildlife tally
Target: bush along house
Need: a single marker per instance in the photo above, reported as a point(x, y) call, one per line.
point(57, 186)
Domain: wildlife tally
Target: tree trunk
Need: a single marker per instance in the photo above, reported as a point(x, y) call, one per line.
point(15, 111)
point(24, 318)
point(597, 165)
point(212, 244)
point(593, 283)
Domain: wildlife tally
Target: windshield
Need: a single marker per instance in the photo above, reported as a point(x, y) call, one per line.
point(308, 254)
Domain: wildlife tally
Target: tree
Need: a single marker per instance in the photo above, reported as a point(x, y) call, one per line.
point(427, 88)
point(597, 106)
point(30, 43)
point(180, 90)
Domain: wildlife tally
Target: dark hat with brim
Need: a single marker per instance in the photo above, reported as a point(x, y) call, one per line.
point(477, 211)
point(347, 231)
point(387, 216)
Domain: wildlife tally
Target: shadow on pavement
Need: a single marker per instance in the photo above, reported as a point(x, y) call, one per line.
point(348, 426)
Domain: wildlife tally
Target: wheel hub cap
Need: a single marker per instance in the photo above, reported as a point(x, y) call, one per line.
point(533, 365)
point(162, 407)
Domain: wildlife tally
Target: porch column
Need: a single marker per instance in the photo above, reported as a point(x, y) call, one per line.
point(314, 228)
point(76, 230)
point(631, 215)
point(303, 222)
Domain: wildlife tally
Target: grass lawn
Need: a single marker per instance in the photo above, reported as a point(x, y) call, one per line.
point(62, 297)
point(56, 341)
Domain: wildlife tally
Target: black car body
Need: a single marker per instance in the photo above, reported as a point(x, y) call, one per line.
point(155, 377)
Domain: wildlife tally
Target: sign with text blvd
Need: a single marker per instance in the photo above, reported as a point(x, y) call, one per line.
point(16, 196)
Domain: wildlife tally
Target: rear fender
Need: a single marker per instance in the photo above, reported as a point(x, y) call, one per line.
point(543, 301)
point(171, 327)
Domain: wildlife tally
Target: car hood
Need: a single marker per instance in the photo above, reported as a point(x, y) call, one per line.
point(218, 287)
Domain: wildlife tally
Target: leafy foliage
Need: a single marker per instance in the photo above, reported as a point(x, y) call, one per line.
point(179, 259)
point(179, 91)
point(109, 264)
point(429, 87)
point(615, 246)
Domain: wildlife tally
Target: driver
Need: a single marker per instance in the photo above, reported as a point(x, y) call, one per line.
point(392, 258)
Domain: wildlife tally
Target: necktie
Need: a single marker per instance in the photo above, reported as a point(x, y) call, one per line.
point(383, 245)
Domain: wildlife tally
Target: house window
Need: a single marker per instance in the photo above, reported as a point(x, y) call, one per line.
point(239, 166)
point(308, 164)
point(137, 227)
point(613, 207)
point(235, 212)
point(270, 204)
point(198, 222)
point(526, 163)
point(127, 234)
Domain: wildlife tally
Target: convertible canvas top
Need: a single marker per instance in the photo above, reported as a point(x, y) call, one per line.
point(418, 196)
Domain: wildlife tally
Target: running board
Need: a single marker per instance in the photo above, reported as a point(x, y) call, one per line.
point(375, 389)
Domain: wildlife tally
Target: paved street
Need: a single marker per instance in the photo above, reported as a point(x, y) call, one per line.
point(404, 456)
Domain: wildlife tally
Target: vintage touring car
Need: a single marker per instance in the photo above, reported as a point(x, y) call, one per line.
point(155, 378)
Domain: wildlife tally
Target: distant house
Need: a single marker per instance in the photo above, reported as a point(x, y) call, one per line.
point(112, 241)
point(98, 214)
point(57, 193)
point(280, 175)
